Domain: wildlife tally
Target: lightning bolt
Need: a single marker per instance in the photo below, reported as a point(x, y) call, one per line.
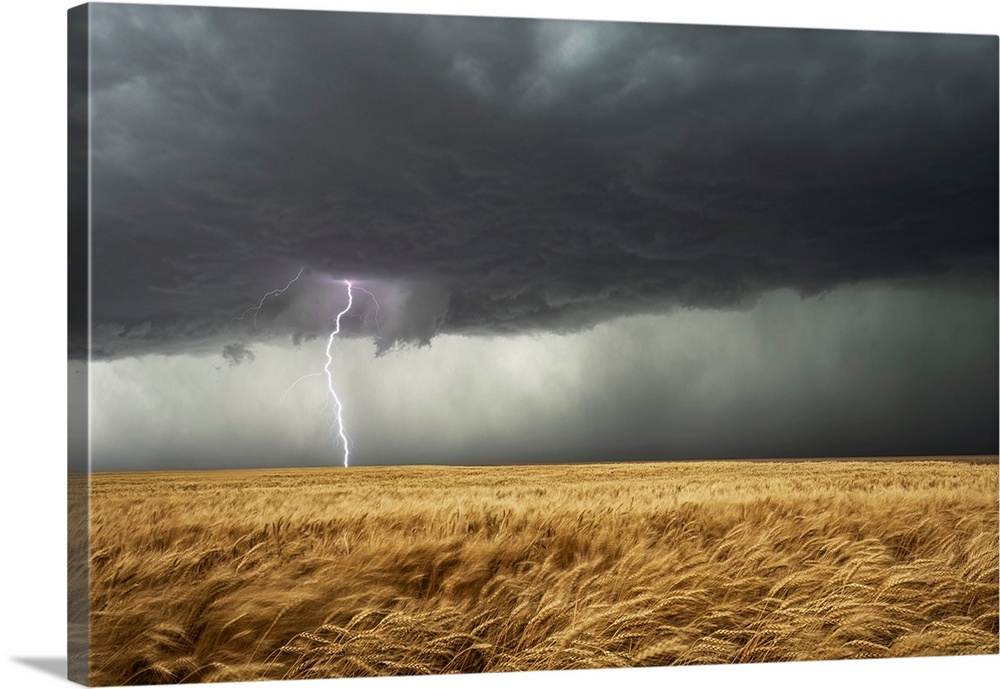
point(327, 371)
point(338, 407)
point(272, 293)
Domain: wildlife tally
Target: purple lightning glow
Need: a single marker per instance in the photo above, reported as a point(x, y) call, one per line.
point(377, 307)
point(342, 434)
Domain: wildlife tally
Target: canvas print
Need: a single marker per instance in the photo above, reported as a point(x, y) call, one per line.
point(410, 344)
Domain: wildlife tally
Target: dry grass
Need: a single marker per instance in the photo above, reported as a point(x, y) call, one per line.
point(323, 573)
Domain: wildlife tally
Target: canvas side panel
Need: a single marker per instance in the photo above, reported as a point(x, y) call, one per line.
point(78, 201)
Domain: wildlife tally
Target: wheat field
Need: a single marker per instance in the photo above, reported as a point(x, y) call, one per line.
point(303, 573)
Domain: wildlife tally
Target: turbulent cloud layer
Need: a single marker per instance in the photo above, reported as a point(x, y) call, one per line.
point(863, 371)
point(507, 175)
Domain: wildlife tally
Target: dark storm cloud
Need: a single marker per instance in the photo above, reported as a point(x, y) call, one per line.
point(520, 174)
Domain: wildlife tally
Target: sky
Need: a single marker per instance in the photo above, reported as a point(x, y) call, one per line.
point(586, 241)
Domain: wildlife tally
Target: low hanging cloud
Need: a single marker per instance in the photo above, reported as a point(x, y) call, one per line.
point(235, 354)
point(868, 370)
point(499, 176)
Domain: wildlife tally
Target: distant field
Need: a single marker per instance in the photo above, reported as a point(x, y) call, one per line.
point(280, 574)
